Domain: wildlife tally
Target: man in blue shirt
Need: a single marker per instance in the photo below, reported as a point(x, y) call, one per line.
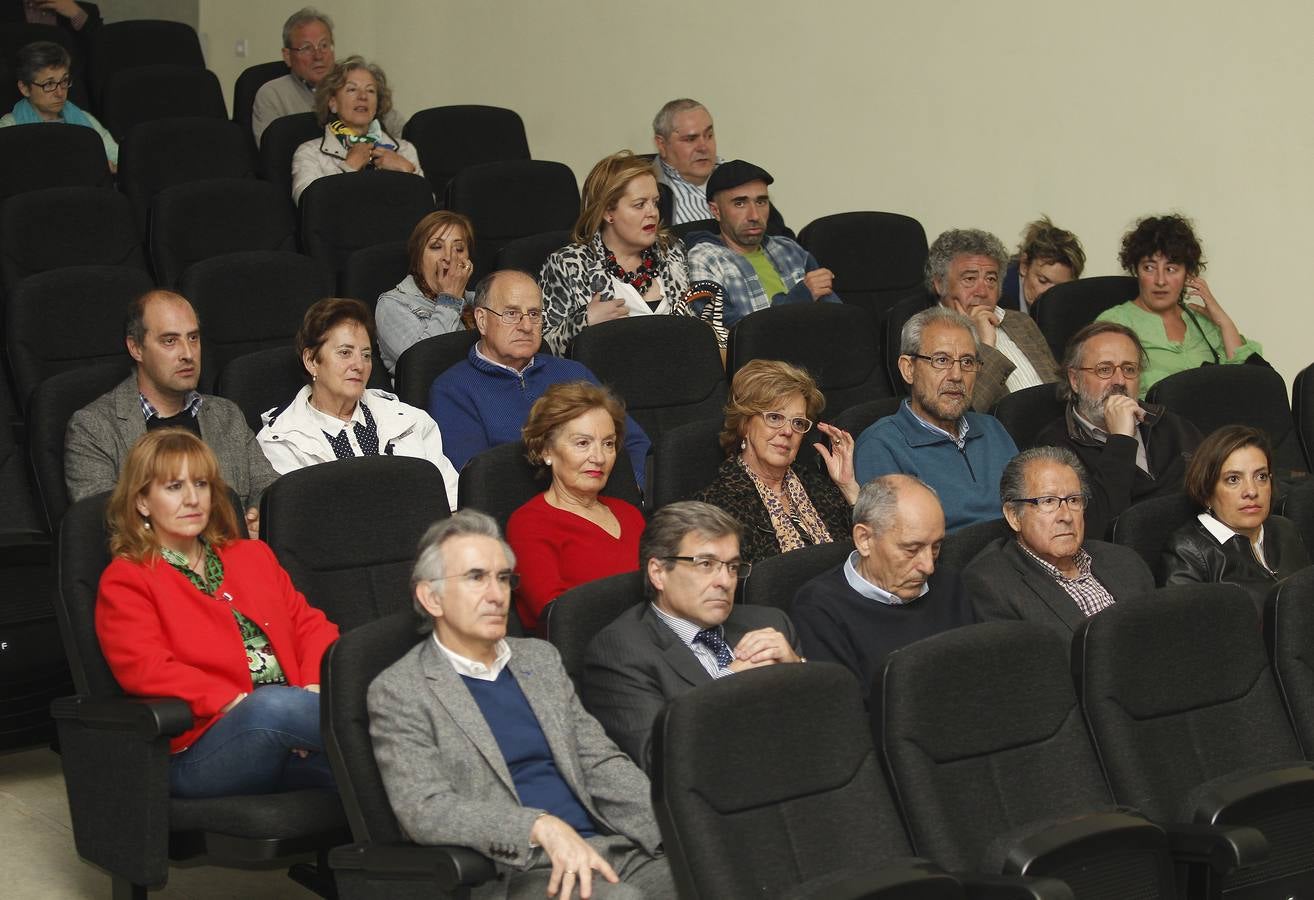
point(934, 436)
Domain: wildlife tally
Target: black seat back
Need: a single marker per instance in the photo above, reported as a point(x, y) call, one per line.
point(877, 257)
point(1146, 527)
point(119, 46)
point(82, 555)
point(775, 580)
point(572, 620)
point(1025, 413)
point(37, 158)
point(373, 271)
point(451, 138)
point(527, 254)
point(279, 144)
point(200, 219)
point(344, 213)
point(245, 88)
point(684, 461)
point(150, 93)
point(1076, 304)
point(962, 546)
point(1289, 633)
point(425, 360)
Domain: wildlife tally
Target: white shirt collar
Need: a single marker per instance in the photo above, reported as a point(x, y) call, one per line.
point(332, 424)
point(477, 670)
point(871, 590)
point(1223, 534)
point(492, 362)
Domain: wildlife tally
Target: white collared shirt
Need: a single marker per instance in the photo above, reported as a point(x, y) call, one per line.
point(686, 631)
point(519, 373)
point(477, 670)
point(1221, 533)
point(963, 427)
point(334, 426)
point(872, 591)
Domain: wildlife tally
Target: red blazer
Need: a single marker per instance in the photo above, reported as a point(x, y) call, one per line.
point(164, 638)
point(558, 550)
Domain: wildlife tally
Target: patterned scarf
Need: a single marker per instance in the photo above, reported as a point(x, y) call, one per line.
point(373, 135)
point(367, 435)
point(792, 532)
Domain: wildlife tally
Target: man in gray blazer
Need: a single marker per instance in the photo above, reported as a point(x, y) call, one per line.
point(163, 336)
point(481, 741)
point(1048, 572)
point(689, 634)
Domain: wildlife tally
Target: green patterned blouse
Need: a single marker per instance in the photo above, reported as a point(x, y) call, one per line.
point(260, 658)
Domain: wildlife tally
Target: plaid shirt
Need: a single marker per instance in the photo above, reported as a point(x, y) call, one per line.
point(711, 260)
point(191, 404)
point(1085, 590)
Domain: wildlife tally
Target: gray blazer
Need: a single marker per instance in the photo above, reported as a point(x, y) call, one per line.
point(635, 665)
point(448, 782)
point(1005, 583)
point(100, 434)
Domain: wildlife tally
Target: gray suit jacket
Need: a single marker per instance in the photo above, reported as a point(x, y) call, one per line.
point(996, 367)
point(100, 434)
point(448, 782)
point(1005, 583)
point(635, 665)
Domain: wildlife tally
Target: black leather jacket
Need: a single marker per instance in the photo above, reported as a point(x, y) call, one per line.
point(1193, 555)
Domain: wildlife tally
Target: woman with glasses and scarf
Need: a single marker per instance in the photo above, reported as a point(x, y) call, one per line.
point(782, 504)
point(43, 69)
point(336, 416)
point(349, 102)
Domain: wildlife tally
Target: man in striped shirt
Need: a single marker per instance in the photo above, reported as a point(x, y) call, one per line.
point(686, 150)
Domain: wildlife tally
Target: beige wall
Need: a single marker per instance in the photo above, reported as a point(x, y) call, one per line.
point(957, 113)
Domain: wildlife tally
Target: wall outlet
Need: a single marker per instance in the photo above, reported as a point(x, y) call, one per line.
point(239, 48)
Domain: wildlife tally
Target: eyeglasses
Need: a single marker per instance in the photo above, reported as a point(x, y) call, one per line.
point(307, 49)
point(512, 317)
point(710, 566)
point(945, 361)
point(481, 578)
point(777, 421)
point(1075, 502)
point(1104, 371)
point(52, 85)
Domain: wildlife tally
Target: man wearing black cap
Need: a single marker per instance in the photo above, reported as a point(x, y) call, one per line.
point(756, 270)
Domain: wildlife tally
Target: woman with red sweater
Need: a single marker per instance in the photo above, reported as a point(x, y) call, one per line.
point(571, 534)
point(188, 610)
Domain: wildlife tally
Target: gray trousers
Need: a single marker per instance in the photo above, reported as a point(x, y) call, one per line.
point(641, 876)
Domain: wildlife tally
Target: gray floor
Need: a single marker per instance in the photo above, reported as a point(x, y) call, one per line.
point(40, 861)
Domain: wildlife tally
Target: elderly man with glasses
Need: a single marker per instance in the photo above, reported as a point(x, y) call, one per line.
point(690, 631)
point(484, 400)
point(1132, 450)
point(935, 435)
point(309, 53)
point(481, 741)
point(1047, 572)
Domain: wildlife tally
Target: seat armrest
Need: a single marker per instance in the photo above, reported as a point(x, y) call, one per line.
point(1013, 887)
point(1224, 848)
point(1066, 840)
point(447, 867)
point(147, 717)
point(890, 880)
point(1248, 795)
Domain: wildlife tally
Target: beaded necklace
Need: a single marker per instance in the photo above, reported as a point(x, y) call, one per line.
point(641, 277)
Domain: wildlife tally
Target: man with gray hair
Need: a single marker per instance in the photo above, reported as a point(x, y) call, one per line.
point(959, 453)
point(888, 593)
point(963, 269)
point(686, 155)
point(309, 54)
point(481, 741)
point(1047, 572)
point(689, 633)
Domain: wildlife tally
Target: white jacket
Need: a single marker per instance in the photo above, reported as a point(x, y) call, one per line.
point(293, 439)
point(325, 155)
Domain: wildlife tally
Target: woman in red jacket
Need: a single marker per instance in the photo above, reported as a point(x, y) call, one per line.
point(188, 610)
point(570, 533)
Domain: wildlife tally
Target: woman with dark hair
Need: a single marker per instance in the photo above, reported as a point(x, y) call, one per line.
point(44, 77)
point(1164, 255)
point(571, 533)
point(622, 262)
point(1048, 255)
point(782, 504)
point(1235, 539)
point(336, 416)
point(349, 102)
point(432, 299)
point(188, 610)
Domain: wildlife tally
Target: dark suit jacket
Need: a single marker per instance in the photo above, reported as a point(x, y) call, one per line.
point(448, 781)
point(636, 664)
point(100, 435)
point(1005, 583)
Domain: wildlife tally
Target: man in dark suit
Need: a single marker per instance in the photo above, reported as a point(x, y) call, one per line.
point(689, 634)
point(481, 741)
point(888, 593)
point(163, 337)
point(1048, 572)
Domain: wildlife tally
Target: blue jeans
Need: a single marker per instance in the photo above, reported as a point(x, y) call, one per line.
point(249, 750)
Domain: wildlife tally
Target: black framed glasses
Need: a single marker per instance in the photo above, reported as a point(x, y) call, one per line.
point(945, 361)
point(481, 578)
point(778, 421)
point(1075, 502)
point(512, 317)
point(1104, 371)
point(709, 566)
point(53, 85)
point(323, 46)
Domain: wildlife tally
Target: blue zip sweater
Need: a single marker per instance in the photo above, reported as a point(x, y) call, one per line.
point(967, 480)
point(478, 405)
